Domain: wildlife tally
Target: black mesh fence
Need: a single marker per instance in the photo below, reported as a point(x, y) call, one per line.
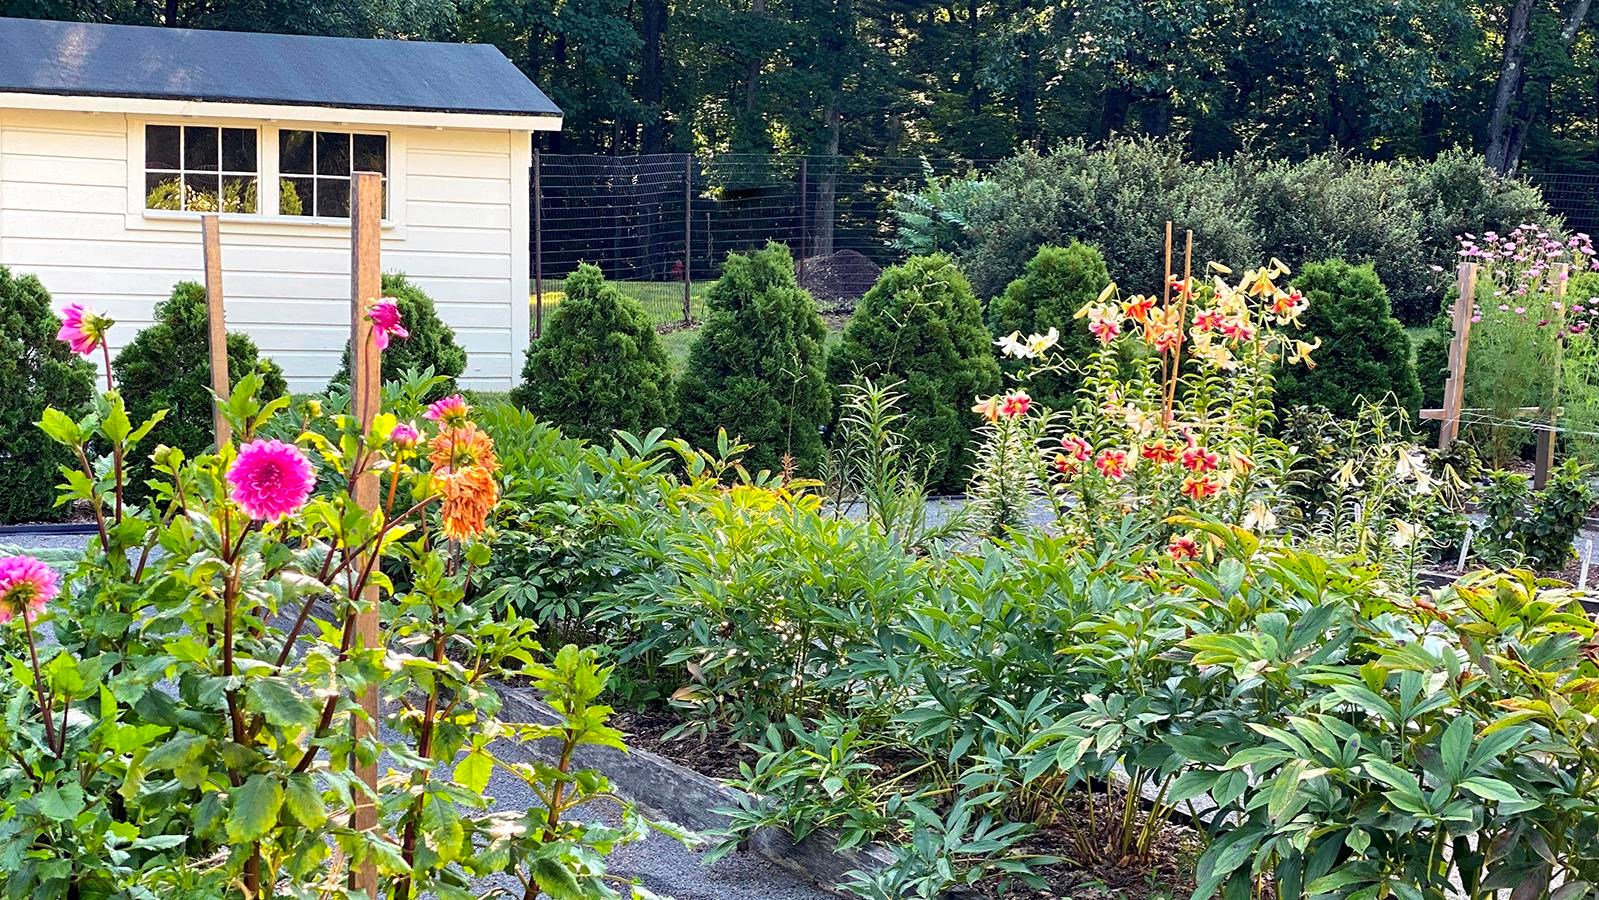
point(1573, 195)
point(661, 225)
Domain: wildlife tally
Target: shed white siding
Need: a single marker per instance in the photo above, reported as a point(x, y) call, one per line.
point(71, 212)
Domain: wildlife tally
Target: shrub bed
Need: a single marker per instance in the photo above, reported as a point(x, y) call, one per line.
point(36, 371)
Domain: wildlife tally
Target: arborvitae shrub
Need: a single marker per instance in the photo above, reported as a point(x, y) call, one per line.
point(1057, 282)
point(168, 366)
point(431, 344)
point(756, 368)
point(1364, 351)
point(921, 325)
point(599, 365)
point(36, 371)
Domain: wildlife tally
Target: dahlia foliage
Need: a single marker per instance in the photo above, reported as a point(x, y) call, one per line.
point(1173, 414)
point(192, 726)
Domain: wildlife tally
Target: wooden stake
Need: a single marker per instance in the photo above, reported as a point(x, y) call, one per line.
point(1455, 386)
point(538, 246)
point(216, 327)
point(366, 395)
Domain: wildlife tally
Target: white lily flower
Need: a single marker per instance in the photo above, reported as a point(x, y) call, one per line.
point(1260, 518)
point(1039, 344)
point(1012, 345)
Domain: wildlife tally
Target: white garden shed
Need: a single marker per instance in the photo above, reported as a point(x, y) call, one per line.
point(115, 139)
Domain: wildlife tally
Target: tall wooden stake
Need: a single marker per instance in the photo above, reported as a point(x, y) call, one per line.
point(216, 326)
point(1455, 385)
point(366, 395)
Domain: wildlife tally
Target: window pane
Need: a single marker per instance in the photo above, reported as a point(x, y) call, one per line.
point(296, 196)
point(200, 192)
point(238, 193)
point(200, 148)
point(332, 153)
point(238, 149)
point(371, 153)
point(333, 197)
point(294, 152)
point(161, 148)
point(162, 192)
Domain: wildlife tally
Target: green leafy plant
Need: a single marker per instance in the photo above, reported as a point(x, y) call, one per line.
point(36, 371)
point(1057, 282)
point(1349, 321)
point(921, 325)
point(599, 366)
point(756, 369)
point(432, 344)
point(1538, 528)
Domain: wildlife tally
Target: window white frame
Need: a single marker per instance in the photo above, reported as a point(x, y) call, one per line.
point(266, 219)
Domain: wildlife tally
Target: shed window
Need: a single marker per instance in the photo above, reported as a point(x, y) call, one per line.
point(200, 168)
point(315, 168)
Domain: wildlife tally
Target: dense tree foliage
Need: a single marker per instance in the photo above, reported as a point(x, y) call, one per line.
point(975, 78)
point(756, 368)
point(922, 326)
point(599, 365)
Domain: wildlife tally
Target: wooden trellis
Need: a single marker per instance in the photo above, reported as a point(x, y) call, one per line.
point(1455, 382)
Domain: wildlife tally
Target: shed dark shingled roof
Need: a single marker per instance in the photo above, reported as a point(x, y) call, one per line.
point(80, 59)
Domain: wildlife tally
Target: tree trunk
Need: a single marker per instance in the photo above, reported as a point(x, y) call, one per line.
point(169, 15)
point(653, 138)
point(1532, 101)
point(827, 189)
point(1507, 92)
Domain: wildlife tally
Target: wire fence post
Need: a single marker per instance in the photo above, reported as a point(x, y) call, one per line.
point(538, 247)
point(688, 239)
point(804, 216)
point(1544, 458)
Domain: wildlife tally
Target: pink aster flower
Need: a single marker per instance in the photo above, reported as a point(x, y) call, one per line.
point(81, 329)
point(270, 479)
point(26, 585)
point(452, 410)
point(386, 324)
point(405, 435)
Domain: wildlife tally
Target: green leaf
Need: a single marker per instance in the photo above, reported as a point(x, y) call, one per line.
point(304, 801)
point(61, 804)
point(1456, 745)
point(254, 809)
point(1492, 789)
point(60, 427)
point(473, 771)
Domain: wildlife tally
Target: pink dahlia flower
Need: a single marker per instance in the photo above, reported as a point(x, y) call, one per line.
point(81, 329)
point(452, 410)
point(26, 585)
point(386, 324)
point(405, 435)
point(271, 479)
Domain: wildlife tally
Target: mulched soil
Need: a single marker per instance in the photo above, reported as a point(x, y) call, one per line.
point(838, 279)
point(714, 756)
point(1167, 871)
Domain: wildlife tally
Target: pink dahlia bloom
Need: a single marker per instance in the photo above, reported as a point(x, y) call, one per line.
point(271, 479)
point(81, 329)
point(405, 435)
point(386, 324)
point(452, 410)
point(26, 585)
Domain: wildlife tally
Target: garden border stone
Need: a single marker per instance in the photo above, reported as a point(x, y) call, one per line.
point(690, 799)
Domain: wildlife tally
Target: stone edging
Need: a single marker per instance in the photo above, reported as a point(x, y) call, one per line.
point(687, 798)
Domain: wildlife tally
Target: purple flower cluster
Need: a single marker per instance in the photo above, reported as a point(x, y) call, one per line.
point(1517, 270)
